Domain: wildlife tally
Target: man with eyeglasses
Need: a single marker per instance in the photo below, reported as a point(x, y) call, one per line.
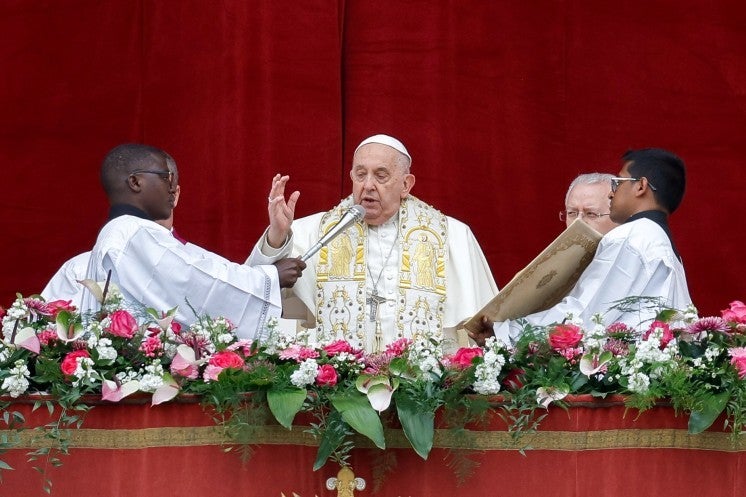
point(587, 198)
point(151, 267)
point(636, 259)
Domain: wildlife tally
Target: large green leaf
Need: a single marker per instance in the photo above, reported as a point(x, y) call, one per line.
point(419, 425)
point(285, 404)
point(331, 438)
point(700, 420)
point(358, 413)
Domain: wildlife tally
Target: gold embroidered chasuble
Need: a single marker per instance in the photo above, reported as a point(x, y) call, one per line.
point(348, 307)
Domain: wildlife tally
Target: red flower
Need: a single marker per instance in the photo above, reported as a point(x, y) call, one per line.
point(667, 333)
point(327, 376)
point(565, 336)
point(513, 381)
point(736, 313)
point(122, 324)
point(464, 357)
point(70, 362)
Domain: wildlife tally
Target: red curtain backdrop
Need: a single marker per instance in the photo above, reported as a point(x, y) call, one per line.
point(501, 104)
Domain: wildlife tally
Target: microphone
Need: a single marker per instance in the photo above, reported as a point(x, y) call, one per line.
point(353, 215)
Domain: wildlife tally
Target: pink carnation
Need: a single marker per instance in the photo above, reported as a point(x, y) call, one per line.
point(464, 357)
point(54, 307)
point(738, 360)
point(298, 353)
point(122, 324)
point(338, 347)
point(152, 346)
point(565, 336)
point(326, 376)
point(736, 313)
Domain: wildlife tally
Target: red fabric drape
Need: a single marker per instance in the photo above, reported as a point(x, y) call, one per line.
point(500, 103)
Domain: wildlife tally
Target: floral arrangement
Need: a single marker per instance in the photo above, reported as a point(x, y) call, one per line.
point(696, 364)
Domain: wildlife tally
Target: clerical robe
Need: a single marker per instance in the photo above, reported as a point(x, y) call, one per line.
point(153, 268)
point(635, 259)
point(427, 270)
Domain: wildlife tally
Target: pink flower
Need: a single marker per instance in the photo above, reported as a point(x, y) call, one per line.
point(70, 362)
point(338, 347)
point(464, 357)
point(667, 333)
point(122, 324)
point(244, 345)
point(736, 313)
point(738, 360)
point(175, 327)
point(55, 306)
point(326, 376)
point(220, 361)
point(298, 353)
point(47, 336)
point(152, 346)
point(565, 336)
point(398, 347)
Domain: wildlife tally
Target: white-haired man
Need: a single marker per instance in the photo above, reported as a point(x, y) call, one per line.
point(587, 198)
point(404, 270)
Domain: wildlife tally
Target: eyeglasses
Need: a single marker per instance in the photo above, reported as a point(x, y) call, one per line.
point(167, 176)
point(590, 216)
point(617, 180)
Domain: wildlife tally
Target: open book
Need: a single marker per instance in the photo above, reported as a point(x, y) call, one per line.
point(546, 280)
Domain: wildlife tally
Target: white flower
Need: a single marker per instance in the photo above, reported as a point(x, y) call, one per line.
point(152, 377)
point(638, 383)
point(17, 383)
point(84, 372)
point(105, 350)
point(305, 374)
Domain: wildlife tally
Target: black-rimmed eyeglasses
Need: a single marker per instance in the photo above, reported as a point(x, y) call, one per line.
point(615, 182)
point(167, 176)
point(572, 215)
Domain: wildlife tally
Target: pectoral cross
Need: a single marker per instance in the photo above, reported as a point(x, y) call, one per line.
point(373, 302)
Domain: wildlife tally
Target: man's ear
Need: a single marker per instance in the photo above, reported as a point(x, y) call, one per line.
point(133, 183)
point(408, 184)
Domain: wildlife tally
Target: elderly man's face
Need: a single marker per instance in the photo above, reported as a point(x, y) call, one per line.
point(590, 202)
point(378, 183)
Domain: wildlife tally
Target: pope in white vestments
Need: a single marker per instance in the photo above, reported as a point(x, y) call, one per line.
point(405, 270)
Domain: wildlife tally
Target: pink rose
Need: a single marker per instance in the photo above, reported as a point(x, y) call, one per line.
point(464, 357)
point(667, 333)
point(70, 362)
point(565, 336)
point(175, 327)
point(220, 361)
point(55, 306)
point(736, 313)
point(738, 360)
point(338, 347)
point(327, 376)
point(122, 324)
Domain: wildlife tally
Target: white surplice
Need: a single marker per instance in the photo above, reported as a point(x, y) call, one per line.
point(153, 268)
point(635, 259)
point(64, 284)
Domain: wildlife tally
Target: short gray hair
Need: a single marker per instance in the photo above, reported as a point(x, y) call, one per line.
point(589, 179)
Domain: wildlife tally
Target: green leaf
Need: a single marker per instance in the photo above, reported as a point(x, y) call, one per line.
point(331, 439)
point(285, 404)
point(419, 425)
point(358, 413)
point(702, 419)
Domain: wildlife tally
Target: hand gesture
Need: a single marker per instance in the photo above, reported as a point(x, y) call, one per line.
point(289, 270)
point(281, 212)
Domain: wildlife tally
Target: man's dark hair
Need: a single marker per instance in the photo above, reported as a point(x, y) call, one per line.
point(122, 160)
point(664, 171)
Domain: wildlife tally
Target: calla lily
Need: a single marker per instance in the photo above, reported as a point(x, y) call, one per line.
point(167, 391)
point(593, 363)
point(545, 396)
point(185, 362)
point(379, 389)
point(27, 339)
point(95, 288)
point(113, 392)
point(164, 321)
point(69, 328)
